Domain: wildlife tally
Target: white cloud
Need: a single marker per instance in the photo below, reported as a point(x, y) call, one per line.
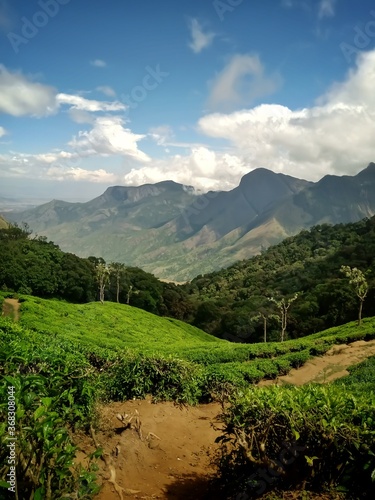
point(57, 166)
point(61, 173)
point(20, 96)
point(326, 8)
point(202, 168)
point(109, 137)
point(106, 90)
point(334, 136)
point(199, 39)
point(83, 104)
point(241, 81)
point(2, 131)
point(98, 63)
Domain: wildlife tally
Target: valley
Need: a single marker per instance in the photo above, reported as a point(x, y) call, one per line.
point(175, 233)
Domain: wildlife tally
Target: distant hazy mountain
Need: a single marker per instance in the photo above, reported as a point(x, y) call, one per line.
point(168, 229)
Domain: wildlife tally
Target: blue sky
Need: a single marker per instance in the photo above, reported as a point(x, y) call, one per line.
point(101, 92)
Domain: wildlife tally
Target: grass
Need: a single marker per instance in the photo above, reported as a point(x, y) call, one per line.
point(112, 326)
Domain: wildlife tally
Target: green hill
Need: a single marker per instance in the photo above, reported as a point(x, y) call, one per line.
point(111, 325)
point(116, 328)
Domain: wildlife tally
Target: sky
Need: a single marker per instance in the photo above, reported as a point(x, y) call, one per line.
point(95, 93)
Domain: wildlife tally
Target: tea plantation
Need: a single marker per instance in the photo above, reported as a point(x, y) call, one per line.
point(61, 359)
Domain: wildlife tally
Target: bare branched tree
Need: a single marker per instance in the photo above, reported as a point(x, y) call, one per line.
point(283, 306)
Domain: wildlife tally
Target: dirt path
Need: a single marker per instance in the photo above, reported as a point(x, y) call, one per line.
point(166, 452)
point(165, 455)
point(11, 308)
point(329, 367)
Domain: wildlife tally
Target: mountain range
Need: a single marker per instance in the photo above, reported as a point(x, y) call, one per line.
point(172, 231)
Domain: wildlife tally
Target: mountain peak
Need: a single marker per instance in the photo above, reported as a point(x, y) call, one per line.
point(368, 171)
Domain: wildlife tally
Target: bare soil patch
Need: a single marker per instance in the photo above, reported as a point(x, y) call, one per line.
point(158, 451)
point(11, 308)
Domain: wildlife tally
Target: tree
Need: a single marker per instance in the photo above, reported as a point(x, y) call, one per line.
point(117, 270)
point(102, 276)
point(128, 294)
point(359, 284)
point(283, 305)
point(265, 317)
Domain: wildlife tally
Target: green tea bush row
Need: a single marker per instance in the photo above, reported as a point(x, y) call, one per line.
point(313, 437)
point(53, 391)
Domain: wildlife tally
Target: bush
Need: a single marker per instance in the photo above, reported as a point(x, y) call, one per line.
point(312, 437)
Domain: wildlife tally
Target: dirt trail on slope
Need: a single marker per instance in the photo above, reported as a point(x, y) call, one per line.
point(11, 308)
point(332, 365)
point(164, 454)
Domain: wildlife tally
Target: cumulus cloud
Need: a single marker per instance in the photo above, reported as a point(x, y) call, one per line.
point(202, 168)
point(326, 8)
point(2, 131)
point(83, 104)
point(199, 39)
point(109, 137)
point(20, 96)
point(241, 81)
point(98, 63)
point(334, 136)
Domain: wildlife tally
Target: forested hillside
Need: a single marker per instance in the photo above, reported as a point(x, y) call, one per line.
point(235, 302)
point(33, 265)
point(238, 303)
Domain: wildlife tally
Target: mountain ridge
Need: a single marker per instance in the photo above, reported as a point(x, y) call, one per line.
point(176, 233)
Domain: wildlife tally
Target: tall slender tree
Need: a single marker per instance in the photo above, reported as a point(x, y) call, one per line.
point(102, 276)
point(283, 306)
point(117, 270)
point(359, 284)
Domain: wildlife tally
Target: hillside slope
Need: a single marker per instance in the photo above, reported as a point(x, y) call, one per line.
point(112, 325)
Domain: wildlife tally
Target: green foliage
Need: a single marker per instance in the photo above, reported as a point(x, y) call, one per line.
point(137, 375)
point(313, 437)
point(53, 390)
point(63, 358)
point(308, 263)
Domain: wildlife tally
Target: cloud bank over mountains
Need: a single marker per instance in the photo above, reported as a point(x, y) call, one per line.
point(335, 135)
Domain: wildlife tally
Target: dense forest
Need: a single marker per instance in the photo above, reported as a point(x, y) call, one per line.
point(235, 303)
point(240, 303)
point(35, 266)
